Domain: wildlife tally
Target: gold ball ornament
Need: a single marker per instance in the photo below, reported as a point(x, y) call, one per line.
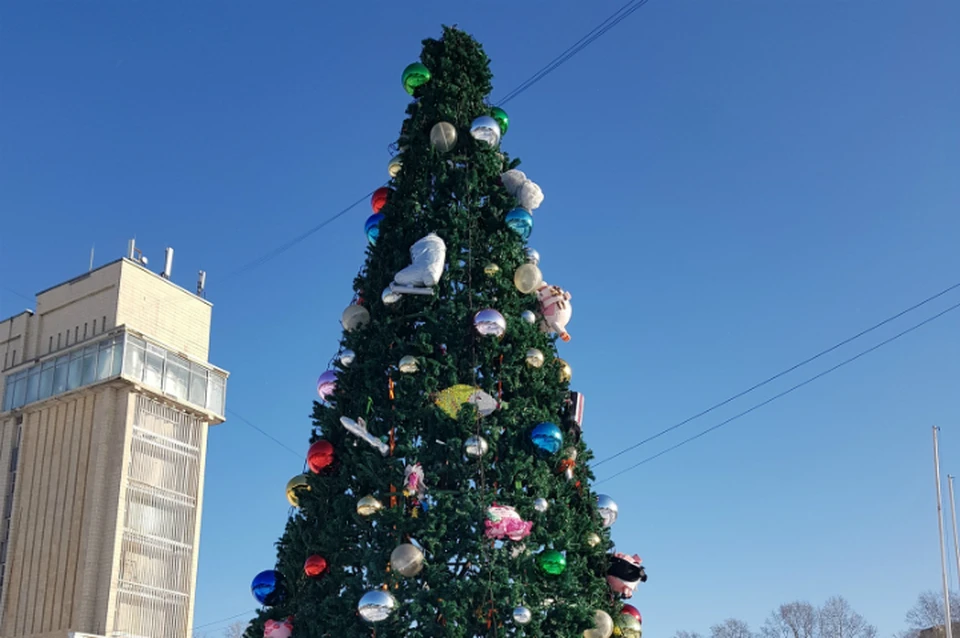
point(368, 506)
point(527, 278)
point(408, 364)
point(534, 358)
point(394, 165)
point(294, 486)
point(593, 539)
point(566, 372)
point(491, 269)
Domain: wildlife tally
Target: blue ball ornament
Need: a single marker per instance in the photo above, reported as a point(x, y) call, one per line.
point(267, 587)
point(547, 438)
point(372, 228)
point(520, 221)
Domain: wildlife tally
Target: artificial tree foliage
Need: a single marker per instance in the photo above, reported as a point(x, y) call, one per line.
point(470, 584)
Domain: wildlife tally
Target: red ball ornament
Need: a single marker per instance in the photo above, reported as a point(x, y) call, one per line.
point(379, 199)
point(320, 456)
point(315, 566)
point(633, 611)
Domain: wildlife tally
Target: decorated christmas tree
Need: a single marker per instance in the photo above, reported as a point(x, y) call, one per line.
point(446, 491)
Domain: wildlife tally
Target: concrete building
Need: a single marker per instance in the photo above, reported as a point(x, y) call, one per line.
point(107, 395)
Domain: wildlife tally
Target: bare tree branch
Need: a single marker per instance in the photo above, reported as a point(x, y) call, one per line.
point(928, 611)
point(731, 628)
point(839, 620)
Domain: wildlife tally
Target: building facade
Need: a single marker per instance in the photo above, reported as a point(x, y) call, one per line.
point(107, 394)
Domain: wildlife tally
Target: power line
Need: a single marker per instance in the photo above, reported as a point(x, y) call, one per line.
point(223, 620)
point(782, 394)
point(613, 20)
point(778, 375)
point(299, 455)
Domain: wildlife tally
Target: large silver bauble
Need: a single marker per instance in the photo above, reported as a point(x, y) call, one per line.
point(541, 504)
point(522, 615)
point(355, 316)
point(389, 297)
point(532, 255)
point(486, 129)
point(376, 605)
point(528, 316)
point(406, 560)
point(347, 357)
point(408, 364)
point(443, 136)
point(534, 358)
point(490, 323)
point(608, 510)
point(475, 447)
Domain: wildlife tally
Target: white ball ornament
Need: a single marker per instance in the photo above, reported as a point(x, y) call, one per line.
point(443, 136)
point(406, 560)
point(475, 447)
point(354, 316)
point(347, 357)
point(408, 364)
point(602, 626)
point(527, 278)
point(541, 504)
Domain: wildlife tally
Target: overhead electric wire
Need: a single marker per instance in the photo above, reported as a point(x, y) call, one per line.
point(779, 374)
point(613, 20)
point(265, 433)
point(223, 620)
point(782, 394)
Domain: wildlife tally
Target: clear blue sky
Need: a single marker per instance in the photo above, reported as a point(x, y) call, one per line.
point(730, 187)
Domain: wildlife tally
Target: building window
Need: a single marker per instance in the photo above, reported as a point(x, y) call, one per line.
point(46, 378)
point(60, 374)
point(153, 366)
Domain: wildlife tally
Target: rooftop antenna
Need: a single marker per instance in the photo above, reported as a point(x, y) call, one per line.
point(201, 282)
point(134, 253)
point(91, 257)
point(167, 263)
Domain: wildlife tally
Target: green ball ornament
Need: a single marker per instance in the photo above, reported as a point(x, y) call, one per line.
point(501, 117)
point(414, 76)
point(552, 562)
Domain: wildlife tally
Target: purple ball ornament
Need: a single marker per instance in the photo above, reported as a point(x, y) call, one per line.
point(327, 385)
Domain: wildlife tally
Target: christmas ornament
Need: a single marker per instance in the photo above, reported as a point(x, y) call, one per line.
point(527, 193)
point(573, 413)
point(490, 323)
point(294, 486)
point(320, 456)
point(602, 626)
point(501, 117)
point(608, 509)
point(552, 562)
point(355, 316)
point(408, 364)
point(394, 166)
point(528, 316)
point(504, 522)
point(406, 560)
point(368, 506)
point(626, 626)
point(541, 504)
point(413, 483)
point(379, 198)
point(443, 136)
point(315, 566)
point(327, 384)
point(534, 358)
point(533, 256)
point(566, 372)
point(376, 605)
point(486, 129)
point(454, 397)
point(527, 278)
point(278, 628)
point(347, 357)
point(388, 297)
point(546, 438)
point(267, 588)
point(426, 256)
point(521, 222)
point(491, 269)
point(632, 611)
point(569, 463)
point(593, 539)
point(475, 447)
point(555, 308)
point(372, 228)
point(522, 615)
point(358, 428)
point(414, 76)
point(625, 573)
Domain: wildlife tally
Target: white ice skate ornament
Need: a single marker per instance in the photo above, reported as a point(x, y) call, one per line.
point(358, 428)
point(555, 308)
point(527, 192)
point(427, 256)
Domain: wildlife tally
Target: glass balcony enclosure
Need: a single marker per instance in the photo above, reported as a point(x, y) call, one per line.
point(119, 355)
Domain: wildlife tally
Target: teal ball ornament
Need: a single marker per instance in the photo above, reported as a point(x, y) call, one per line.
point(520, 221)
point(547, 439)
point(372, 228)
